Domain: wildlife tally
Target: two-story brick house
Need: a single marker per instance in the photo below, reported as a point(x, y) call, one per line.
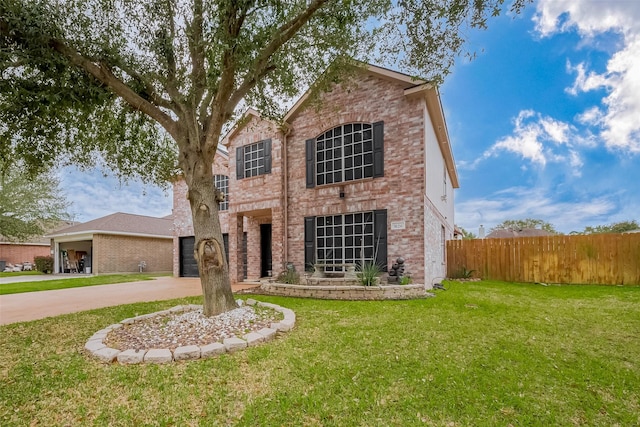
point(368, 176)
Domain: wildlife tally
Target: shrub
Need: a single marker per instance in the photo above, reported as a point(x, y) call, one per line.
point(44, 264)
point(406, 280)
point(368, 273)
point(463, 273)
point(290, 277)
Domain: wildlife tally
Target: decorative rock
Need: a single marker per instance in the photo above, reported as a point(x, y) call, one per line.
point(253, 339)
point(114, 326)
point(210, 350)
point(234, 344)
point(98, 348)
point(267, 333)
point(269, 305)
point(158, 355)
point(94, 345)
point(131, 357)
point(106, 354)
point(98, 336)
point(187, 352)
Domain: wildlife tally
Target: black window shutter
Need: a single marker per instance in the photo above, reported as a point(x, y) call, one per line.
point(309, 241)
point(239, 162)
point(378, 149)
point(380, 230)
point(267, 156)
point(310, 161)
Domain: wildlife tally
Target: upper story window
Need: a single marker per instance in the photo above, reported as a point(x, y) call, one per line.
point(222, 183)
point(253, 159)
point(346, 153)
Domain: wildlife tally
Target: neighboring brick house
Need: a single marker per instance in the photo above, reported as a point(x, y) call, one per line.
point(21, 252)
point(367, 176)
point(115, 243)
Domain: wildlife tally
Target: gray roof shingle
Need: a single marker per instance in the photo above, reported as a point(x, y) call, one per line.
point(122, 223)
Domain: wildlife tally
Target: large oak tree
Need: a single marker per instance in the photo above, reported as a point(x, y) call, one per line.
point(147, 86)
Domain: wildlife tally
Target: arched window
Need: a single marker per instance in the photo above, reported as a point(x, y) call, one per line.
point(347, 152)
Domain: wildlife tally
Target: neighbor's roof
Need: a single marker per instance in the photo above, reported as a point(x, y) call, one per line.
point(122, 224)
point(43, 240)
point(523, 232)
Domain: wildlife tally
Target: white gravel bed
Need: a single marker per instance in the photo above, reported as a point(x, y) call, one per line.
point(190, 328)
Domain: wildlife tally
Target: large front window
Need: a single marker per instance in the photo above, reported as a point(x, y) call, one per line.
point(344, 153)
point(345, 239)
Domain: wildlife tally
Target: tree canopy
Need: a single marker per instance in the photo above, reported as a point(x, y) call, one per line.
point(616, 227)
point(520, 224)
point(29, 205)
point(147, 87)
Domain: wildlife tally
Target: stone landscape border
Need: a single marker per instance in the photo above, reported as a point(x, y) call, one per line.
point(347, 292)
point(96, 347)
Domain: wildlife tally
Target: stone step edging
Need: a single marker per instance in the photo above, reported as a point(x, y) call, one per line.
point(96, 347)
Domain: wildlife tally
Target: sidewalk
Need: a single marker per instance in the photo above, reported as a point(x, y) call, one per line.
point(38, 305)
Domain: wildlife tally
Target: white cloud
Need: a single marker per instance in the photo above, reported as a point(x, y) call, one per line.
point(538, 139)
point(618, 117)
point(589, 17)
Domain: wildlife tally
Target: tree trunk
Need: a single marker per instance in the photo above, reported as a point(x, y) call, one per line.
point(209, 248)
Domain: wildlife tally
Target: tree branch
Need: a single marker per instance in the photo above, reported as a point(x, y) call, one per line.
point(196, 50)
point(261, 67)
point(105, 76)
point(283, 35)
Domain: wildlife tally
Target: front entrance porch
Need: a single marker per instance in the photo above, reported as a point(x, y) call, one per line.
point(255, 245)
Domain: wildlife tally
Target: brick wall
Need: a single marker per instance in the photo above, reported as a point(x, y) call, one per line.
point(122, 254)
point(255, 200)
point(400, 191)
point(14, 253)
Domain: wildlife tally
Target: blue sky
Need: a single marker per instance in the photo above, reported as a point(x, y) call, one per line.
point(544, 123)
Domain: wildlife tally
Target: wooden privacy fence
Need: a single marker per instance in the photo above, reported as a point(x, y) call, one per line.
point(607, 259)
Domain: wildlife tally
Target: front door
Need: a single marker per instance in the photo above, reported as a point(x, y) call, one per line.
point(265, 250)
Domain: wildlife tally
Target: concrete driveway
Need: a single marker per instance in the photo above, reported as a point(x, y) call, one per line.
point(38, 305)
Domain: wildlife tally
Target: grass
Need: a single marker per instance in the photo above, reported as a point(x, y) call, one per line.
point(76, 282)
point(479, 354)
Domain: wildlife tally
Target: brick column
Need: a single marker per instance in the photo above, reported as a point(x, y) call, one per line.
point(235, 248)
point(277, 243)
point(253, 249)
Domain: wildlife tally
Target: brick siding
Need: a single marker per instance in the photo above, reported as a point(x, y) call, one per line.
point(14, 253)
point(122, 254)
point(401, 192)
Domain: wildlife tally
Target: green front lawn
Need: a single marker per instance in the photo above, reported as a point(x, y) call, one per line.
point(479, 354)
point(75, 282)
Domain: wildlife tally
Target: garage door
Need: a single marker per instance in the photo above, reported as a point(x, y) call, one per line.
point(188, 264)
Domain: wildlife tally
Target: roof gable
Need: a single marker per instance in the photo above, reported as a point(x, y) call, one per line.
point(122, 223)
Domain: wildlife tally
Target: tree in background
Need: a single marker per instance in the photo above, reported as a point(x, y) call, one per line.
point(30, 205)
point(147, 87)
point(467, 235)
point(617, 227)
point(520, 224)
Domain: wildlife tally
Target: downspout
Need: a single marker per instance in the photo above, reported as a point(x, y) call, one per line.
point(286, 130)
